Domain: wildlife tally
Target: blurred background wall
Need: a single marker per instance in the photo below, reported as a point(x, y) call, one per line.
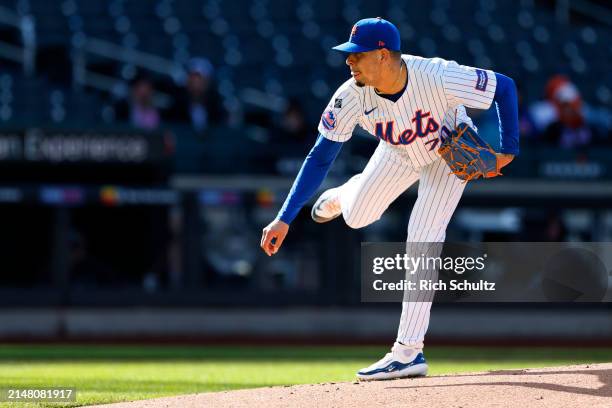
point(145, 144)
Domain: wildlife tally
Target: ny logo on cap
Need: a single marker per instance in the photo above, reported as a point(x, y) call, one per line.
point(354, 30)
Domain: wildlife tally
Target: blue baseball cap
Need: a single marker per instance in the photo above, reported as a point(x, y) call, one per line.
point(371, 34)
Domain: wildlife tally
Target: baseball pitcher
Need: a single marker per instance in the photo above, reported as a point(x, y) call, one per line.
point(415, 107)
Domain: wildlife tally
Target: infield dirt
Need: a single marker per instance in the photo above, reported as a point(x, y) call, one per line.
point(558, 387)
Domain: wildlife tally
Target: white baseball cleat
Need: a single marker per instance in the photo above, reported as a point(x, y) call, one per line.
point(401, 362)
point(327, 206)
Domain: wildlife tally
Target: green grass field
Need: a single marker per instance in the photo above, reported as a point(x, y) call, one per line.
point(104, 374)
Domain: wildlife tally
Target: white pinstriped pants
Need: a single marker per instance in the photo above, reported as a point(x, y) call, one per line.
point(365, 197)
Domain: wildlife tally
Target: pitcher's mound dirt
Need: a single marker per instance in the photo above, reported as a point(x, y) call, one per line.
point(574, 386)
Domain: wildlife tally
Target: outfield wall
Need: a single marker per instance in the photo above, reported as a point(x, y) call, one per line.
point(352, 325)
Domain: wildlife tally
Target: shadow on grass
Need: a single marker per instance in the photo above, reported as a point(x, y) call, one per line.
point(189, 353)
point(295, 353)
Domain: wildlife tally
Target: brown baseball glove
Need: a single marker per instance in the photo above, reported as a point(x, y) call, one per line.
point(468, 156)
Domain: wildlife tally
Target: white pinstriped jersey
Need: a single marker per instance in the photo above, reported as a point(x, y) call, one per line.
point(433, 102)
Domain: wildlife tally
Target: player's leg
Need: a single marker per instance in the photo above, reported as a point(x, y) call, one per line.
point(438, 195)
point(365, 197)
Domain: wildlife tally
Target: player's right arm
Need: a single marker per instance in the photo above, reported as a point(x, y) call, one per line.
point(336, 127)
point(311, 175)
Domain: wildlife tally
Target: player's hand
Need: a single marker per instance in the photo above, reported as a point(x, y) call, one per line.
point(272, 236)
point(503, 159)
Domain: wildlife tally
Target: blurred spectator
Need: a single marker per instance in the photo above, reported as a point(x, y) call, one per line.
point(198, 103)
point(293, 126)
point(543, 226)
point(139, 110)
point(84, 269)
point(556, 230)
point(527, 127)
point(561, 117)
point(599, 119)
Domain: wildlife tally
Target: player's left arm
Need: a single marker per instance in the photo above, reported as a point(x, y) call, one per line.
point(478, 88)
point(506, 103)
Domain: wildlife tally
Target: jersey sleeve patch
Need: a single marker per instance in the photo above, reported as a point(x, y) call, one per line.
point(469, 86)
point(328, 120)
point(341, 113)
point(481, 81)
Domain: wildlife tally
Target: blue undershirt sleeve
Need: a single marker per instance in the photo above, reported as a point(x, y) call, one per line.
point(311, 175)
point(506, 103)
